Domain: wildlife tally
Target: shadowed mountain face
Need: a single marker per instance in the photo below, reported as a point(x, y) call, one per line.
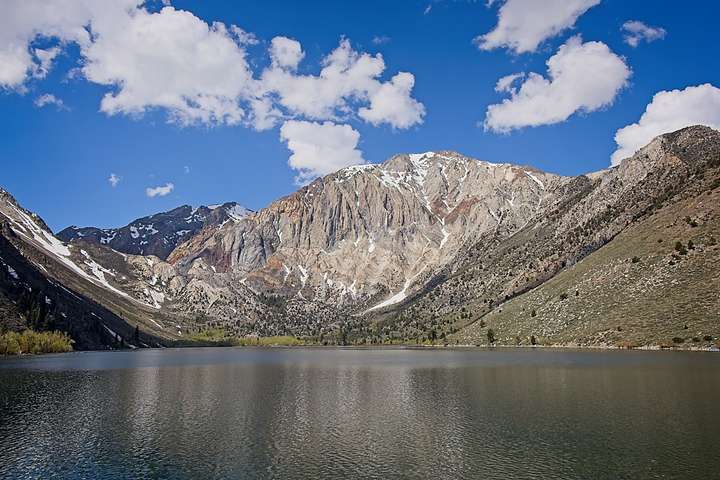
point(157, 234)
point(422, 247)
point(47, 285)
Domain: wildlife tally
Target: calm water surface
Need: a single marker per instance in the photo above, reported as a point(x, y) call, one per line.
point(351, 413)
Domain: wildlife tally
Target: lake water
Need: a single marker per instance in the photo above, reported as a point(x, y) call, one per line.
point(361, 413)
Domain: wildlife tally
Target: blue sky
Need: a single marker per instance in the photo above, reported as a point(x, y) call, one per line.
point(57, 160)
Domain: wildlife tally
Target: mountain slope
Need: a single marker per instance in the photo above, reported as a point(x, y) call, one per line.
point(56, 286)
point(157, 234)
point(636, 290)
point(592, 212)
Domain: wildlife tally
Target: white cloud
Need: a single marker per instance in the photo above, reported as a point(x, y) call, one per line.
point(505, 83)
point(320, 148)
point(348, 80)
point(286, 53)
point(392, 103)
point(669, 111)
point(524, 24)
point(114, 180)
point(636, 31)
point(198, 73)
point(381, 39)
point(581, 77)
point(45, 59)
point(172, 60)
point(186, 169)
point(160, 191)
point(64, 20)
point(243, 37)
point(49, 99)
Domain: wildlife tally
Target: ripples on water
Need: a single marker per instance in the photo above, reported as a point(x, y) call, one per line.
point(343, 413)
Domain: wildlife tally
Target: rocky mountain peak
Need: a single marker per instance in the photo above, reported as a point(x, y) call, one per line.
point(13, 211)
point(373, 228)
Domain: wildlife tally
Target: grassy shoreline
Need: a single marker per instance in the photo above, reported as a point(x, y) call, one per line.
point(30, 342)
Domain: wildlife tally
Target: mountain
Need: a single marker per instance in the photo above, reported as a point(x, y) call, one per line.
point(600, 266)
point(363, 236)
point(431, 247)
point(157, 234)
point(48, 285)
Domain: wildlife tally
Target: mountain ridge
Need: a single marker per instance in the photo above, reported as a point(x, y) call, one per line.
point(423, 247)
point(160, 233)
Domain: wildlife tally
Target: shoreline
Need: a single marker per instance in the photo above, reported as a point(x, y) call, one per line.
point(649, 348)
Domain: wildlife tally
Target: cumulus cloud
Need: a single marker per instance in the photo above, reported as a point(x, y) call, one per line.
point(114, 180)
point(669, 111)
point(170, 59)
point(198, 73)
point(160, 191)
point(49, 99)
point(23, 21)
point(505, 83)
point(636, 31)
point(392, 103)
point(347, 80)
point(285, 53)
point(243, 37)
point(581, 77)
point(524, 24)
point(320, 148)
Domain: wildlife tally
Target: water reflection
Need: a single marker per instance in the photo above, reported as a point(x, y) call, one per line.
point(245, 413)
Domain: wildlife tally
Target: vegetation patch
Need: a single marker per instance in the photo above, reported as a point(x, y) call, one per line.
point(32, 342)
point(219, 337)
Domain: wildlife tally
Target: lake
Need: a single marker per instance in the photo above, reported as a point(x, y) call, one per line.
point(216, 413)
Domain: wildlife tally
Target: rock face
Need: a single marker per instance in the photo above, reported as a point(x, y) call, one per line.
point(157, 234)
point(372, 232)
point(424, 247)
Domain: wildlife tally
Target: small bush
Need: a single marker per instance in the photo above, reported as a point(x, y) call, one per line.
point(635, 259)
point(708, 338)
point(680, 248)
point(712, 241)
point(533, 313)
point(563, 296)
point(691, 245)
point(678, 340)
